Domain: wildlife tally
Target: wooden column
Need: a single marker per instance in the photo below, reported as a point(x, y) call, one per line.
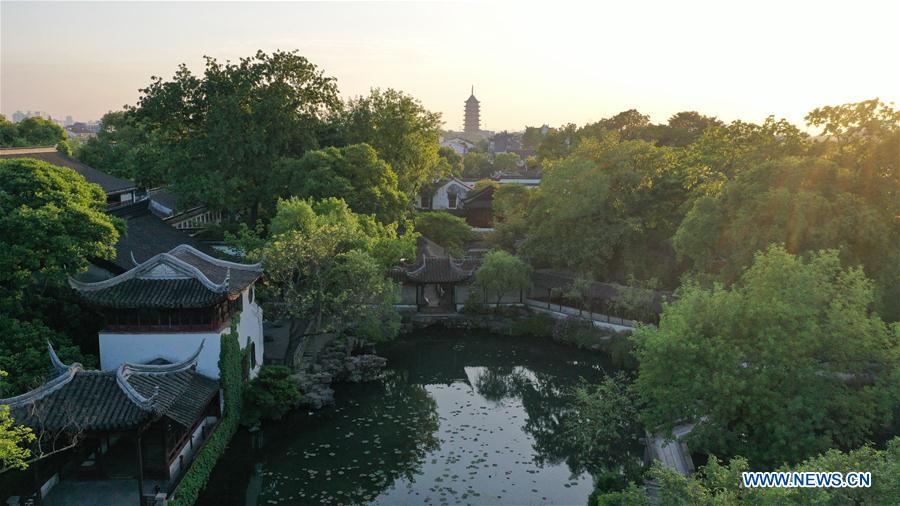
point(140, 461)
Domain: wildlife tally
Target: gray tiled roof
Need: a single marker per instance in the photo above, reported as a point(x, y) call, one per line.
point(182, 277)
point(438, 270)
point(121, 399)
point(155, 293)
point(110, 184)
point(147, 235)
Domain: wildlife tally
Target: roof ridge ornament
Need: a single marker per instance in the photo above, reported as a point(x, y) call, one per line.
point(54, 358)
point(133, 260)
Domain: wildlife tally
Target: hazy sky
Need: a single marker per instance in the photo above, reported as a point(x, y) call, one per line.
point(531, 64)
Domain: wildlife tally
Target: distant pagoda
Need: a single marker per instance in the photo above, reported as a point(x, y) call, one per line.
point(472, 123)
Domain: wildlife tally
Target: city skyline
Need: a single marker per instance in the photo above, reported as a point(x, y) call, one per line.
point(530, 66)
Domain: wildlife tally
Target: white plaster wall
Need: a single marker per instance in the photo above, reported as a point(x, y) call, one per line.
point(251, 326)
point(119, 347)
point(442, 201)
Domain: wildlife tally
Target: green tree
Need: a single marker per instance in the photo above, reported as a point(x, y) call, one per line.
point(38, 131)
point(453, 162)
point(8, 132)
point(14, 439)
point(320, 266)
point(501, 274)
point(608, 209)
point(270, 395)
point(127, 148)
point(506, 162)
point(604, 430)
point(770, 368)
point(445, 229)
point(510, 208)
point(23, 352)
point(580, 292)
point(404, 133)
point(477, 165)
point(51, 222)
point(532, 137)
point(718, 484)
point(222, 132)
point(353, 173)
point(683, 128)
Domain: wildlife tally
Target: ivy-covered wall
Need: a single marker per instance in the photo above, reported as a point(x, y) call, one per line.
point(232, 382)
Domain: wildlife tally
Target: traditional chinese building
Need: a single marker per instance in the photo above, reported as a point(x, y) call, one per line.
point(165, 306)
point(125, 435)
point(435, 282)
point(472, 122)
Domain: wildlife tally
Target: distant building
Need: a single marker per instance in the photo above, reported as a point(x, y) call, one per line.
point(458, 144)
point(118, 191)
point(472, 123)
point(444, 195)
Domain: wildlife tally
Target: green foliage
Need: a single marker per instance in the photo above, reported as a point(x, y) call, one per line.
point(445, 229)
point(232, 383)
point(477, 165)
point(604, 430)
point(635, 299)
point(506, 162)
point(510, 205)
point(609, 209)
point(274, 103)
point(353, 173)
point(772, 367)
point(64, 148)
point(14, 439)
point(538, 325)
point(404, 133)
point(502, 274)
point(128, 147)
point(485, 183)
point(451, 162)
point(717, 484)
point(322, 263)
point(51, 222)
point(23, 353)
point(270, 395)
point(30, 132)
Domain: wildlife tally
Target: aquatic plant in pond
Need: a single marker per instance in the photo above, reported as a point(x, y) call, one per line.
point(459, 418)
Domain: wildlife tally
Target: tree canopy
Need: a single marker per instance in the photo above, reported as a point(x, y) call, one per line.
point(772, 367)
point(353, 173)
point(445, 229)
point(501, 274)
point(404, 133)
point(223, 131)
point(34, 131)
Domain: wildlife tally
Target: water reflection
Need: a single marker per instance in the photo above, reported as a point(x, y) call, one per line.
point(458, 419)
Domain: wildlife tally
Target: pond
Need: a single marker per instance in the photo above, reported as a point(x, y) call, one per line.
point(459, 418)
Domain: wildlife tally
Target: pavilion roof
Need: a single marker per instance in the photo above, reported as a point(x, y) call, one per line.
point(184, 277)
point(121, 399)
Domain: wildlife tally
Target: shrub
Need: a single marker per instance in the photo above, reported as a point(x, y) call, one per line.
point(539, 325)
point(270, 395)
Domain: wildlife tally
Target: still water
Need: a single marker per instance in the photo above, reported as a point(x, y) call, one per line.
point(459, 418)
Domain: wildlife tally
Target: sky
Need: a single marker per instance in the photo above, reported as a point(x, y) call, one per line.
point(530, 63)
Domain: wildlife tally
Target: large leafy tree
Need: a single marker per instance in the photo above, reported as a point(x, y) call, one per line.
point(14, 439)
point(445, 229)
point(404, 133)
point(125, 147)
point(322, 266)
point(353, 173)
point(223, 131)
point(33, 131)
point(51, 222)
point(609, 209)
point(783, 365)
